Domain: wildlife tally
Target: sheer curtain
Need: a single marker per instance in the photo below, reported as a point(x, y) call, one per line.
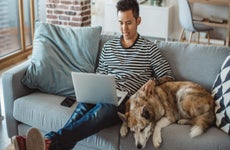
point(9, 27)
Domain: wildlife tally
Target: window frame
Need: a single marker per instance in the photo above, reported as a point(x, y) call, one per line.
point(25, 51)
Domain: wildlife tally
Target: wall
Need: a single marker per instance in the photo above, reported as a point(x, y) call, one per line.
point(198, 9)
point(97, 7)
point(64, 12)
point(40, 10)
point(68, 12)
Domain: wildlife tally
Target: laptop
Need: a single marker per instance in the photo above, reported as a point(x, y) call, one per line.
point(93, 88)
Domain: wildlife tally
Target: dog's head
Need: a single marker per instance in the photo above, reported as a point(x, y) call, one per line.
point(144, 111)
point(139, 122)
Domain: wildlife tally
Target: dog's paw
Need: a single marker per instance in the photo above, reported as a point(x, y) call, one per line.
point(183, 121)
point(157, 140)
point(123, 130)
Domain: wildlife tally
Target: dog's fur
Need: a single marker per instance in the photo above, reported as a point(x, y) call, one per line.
point(181, 102)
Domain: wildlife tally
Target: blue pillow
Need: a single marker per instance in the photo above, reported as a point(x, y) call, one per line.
point(56, 52)
point(221, 93)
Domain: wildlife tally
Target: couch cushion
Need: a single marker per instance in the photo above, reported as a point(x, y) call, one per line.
point(107, 139)
point(40, 110)
point(221, 93)
point(176, 137)
point(56, 52)
point(185, 57)
point(194, 62)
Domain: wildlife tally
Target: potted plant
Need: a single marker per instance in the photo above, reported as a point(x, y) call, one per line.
point(156, 2)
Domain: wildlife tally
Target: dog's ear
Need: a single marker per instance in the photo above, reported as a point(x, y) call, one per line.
point(122, 116)
point(145, 113)
point(127, 105)
point(165, 79)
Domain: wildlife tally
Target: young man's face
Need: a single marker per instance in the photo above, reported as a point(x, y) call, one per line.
point(128, 24)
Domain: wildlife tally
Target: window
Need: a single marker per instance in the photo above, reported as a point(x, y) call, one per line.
point(16, 28)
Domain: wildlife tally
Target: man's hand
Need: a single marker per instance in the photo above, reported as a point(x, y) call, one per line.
point(148, 87)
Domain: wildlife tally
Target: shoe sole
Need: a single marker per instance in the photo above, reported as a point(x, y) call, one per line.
point(15, 143)
point(35, 140)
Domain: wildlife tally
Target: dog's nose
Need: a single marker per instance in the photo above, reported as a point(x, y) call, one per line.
point(139, 146)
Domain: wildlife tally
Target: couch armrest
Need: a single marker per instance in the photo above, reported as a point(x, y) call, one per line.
point(13, 89)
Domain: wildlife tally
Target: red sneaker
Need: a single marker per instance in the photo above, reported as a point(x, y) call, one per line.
point(32, 141)
point(19, 142)
point(47, 144)
point(36, 141)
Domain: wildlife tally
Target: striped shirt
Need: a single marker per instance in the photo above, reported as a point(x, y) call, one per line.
point(133, 66)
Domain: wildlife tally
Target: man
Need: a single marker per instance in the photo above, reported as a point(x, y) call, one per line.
point(132, 59)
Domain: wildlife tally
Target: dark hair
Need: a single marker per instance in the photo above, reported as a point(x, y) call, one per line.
point(124, 5)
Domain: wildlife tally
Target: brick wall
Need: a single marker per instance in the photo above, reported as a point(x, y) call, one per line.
point(68, 12)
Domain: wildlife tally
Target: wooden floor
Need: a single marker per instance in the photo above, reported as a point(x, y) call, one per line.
point(5, 141)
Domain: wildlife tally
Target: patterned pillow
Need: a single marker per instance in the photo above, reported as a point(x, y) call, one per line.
point(221, 93)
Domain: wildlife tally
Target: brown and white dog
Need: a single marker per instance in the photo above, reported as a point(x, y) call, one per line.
point(181, 102)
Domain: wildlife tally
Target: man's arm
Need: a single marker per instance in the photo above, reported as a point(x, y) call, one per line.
point(159, 64)
point(102, 67)
point(161, 69)
point(148, 87)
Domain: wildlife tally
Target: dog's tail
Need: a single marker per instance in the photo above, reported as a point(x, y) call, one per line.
point(202, 123)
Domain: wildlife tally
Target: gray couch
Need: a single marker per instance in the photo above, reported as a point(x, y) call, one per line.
point(199, 63)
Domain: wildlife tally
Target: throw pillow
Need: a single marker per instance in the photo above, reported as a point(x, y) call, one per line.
point(56, 52)
point(221, 93)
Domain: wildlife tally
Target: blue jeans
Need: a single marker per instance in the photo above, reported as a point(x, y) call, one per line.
point(86, 120)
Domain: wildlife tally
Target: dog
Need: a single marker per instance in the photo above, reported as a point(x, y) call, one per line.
point(183, 102)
